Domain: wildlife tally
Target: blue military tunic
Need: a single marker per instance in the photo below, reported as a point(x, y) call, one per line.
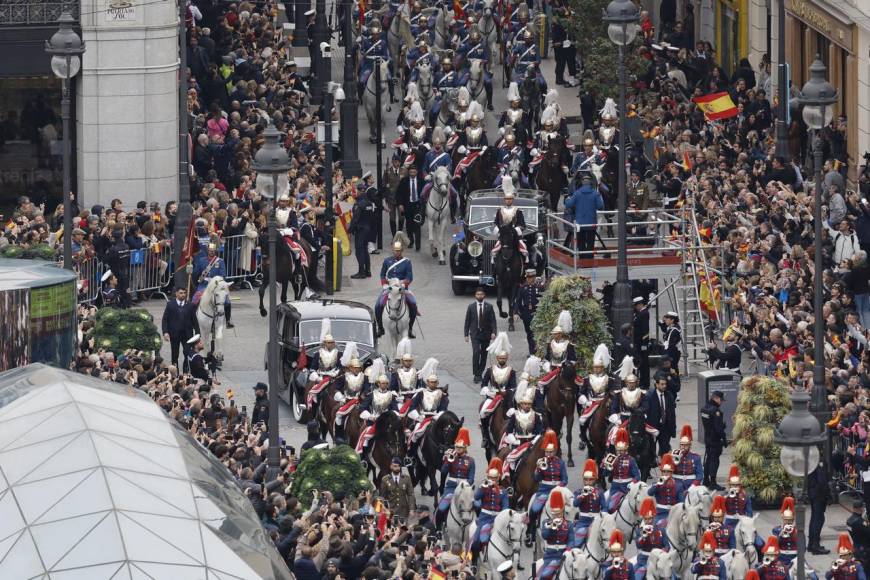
point(401, 269)
point(557, 539)
point(625, 571)
point(690, 469)
point(589, 505)
point(646, 543)
point(776, 570)
point(787, 544)
point(460, 468)
point(724, 539)
point(490, 500)
point(624, 471)
point(555, 474)
point(712, 569)
point(849, 570)
point(738, 505)
point(667, 494)
point(435, 159)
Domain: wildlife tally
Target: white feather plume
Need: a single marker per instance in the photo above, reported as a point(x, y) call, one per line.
point(430, 367)
point(602, 354)
point(475, 108)
point(412, 93)
point(609, 108)
point(403, 348)
point(416, 112)
point(500, 344)
point(522, 387)
point(513, 92)
point(325, 328)
point(626, 368)
point(376, 369)
point(551, 98)
point(507, 184)
point(350, 352)
point(549, 114)
point(565, 322)
point(532, 366)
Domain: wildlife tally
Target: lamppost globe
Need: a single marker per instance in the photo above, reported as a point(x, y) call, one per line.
point(622, 17)
point(799, 434)
point(271, 159)
point(817, 96)
point(65, 67)
point(65, 48)
point(796, 462)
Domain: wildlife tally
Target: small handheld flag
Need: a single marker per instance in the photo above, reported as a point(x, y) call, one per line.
point(716, 106)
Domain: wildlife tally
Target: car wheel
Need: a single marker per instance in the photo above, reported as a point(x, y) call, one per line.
point(458, 287)
point(300, 410)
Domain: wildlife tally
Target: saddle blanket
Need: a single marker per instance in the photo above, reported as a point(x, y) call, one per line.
point(611, 436)
point(489, 406)
point(406, 406)
point(590, 410)
point(296, 249)
point(536, 161)
point(514, 457)
point(315, 391)
point(347, 407)
point(364, 438)
point(419, 429)
point(548, 378)
point(465, 163)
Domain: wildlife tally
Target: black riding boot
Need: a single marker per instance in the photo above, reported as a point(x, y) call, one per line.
point(488, 89)
point(412, 317)
point(530, 532)
point(379, 318)
point(391, 87)
point(339, 433)
point(584, 438)
point(484, 430)
point(228, 313)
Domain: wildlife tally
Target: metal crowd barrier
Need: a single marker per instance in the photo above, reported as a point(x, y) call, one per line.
point(241, 267)
point(90, 274)
point(150, 269)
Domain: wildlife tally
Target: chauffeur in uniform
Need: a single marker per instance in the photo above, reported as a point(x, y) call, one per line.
point(526, 304)
point(398, 490)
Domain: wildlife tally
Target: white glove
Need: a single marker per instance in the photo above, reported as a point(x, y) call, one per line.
point(546, 366)
point(414, 415)
point(462, 150)
point(613, 419)
point(584, 400)
point(365, 415)
point(385, 286)
point(428, 177)
point(485, 392)
point(339, 397)
point(566, 44)
point(511, 412)
point(448, 131)
point(405, 148)
point(519, 231)
point(534, 153)
point(511, 439)
point(400, 130)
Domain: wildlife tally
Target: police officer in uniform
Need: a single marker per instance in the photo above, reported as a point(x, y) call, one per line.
point(715, 437)
point(672, 336)
point(260, 412)
point(457, 466)
point(728, 358)
point(526, 304)
point(640, 334)
point(489, 500)
point(360, 228)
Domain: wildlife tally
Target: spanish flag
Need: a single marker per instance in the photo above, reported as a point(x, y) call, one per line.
point(716, 106)
point(342, 221)
point(709, 300)
point(457, 10)
point(435, 573)
point(687, 162)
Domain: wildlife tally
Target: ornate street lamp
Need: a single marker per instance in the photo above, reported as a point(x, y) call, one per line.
point(622, 17)
point(350, 163)
point(66, 48)
point(800, 434)
point(816, 98)
point(272, 160)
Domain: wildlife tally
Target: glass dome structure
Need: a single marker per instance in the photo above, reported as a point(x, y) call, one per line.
point(96, 482)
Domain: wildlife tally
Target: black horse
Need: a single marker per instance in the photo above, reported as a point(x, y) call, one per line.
point(508, 271)
point(388, 442)
point(480, 175)
point(640, 443)
point(439, 437)
point(289, 270)
point(550, 177)
point(532, 100)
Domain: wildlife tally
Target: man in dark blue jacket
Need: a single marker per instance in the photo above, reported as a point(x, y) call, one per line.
point(584, 204)
point(661, 413)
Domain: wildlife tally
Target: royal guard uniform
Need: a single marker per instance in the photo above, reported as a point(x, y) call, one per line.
point(623, 470)
point(689, 469)
point(514, 116)
point(325, 360)
point(457, 466)
point(587, 159)
point(724, 535)
point(668, 492)
point(786, 534)
point(425, 407)
point(351, 386)
point(647, 537)
point(557, 534)
point(629, 400)
point(737, 503)
point(436, 157)
point(396, 267)
point(379, 401)
point(560, 351)
point(489, 500)
point(589, 501)
point(594, 389)
point(618, 567)
point(846, 567)
point(509, 216)
point(405, 380)
point(550, 472)
point(772, 567)
point(499, 383)
point(524, 424)
point(708, 566)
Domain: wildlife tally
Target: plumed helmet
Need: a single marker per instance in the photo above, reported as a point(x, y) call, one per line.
point(647, 508)
point(844, 545)
point(550, 441)
point(734, 475)
point(617, 541)
point(621, 439)
point(708, 542)
point(590, 469)
point(686, 434)
point(557, 501)
point(667, 463)
point(494, 468)
point(718, 507)
point(463, 438)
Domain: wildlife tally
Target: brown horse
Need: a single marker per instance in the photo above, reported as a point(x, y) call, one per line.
point(353, 426)
point(327, 410)
point(560, 405)
point(597, 432)
point(525, 485)
point(388, 442)
point(497, 425)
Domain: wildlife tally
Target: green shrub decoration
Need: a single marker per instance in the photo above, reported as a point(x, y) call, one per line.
point(119, 330)
point(591, 328)
point(333, 470)
point(761, 404)
point(35, 252)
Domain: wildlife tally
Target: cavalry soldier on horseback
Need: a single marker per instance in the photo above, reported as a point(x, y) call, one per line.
point(549, 130)
point(708, 566)
point(498, 379)
point(524, 424)
point(588, 159)
point(476, 49)
point(558, 535)
point(398, 267)
point(285, 214)
point(474, 136)
point(373, 48)
point(205, 267)
point(648, 537)
point(325, 360)
point(510, 216)
point(618, 567)
point(589, 500)
point(772, 566)
point(351, 385)
point(560, 351)
point(405, 379)
point(786, 534)
point(595, 388)
point(457, 466)
point(550, 472)
point(737, 503)
point(508, 149)
point(623, 470)
point(667, 492)
point(417, 55)
point(724, 535)
point(445, 79)
point(846, 567)
point(489, 500)
point(519, 22)
point(380, 400)
point(630, 399)
point(515, 116)
point(426, 406)
point(436, 157)
point(688, 468)
point(524, 55)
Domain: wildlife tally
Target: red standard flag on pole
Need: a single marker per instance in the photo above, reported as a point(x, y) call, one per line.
point(362, 12)
point(716, 106)
point(191, 245)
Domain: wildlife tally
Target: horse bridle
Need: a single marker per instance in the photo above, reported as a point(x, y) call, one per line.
point(633, 509)
point(398, 313)
point(509, 538)
point(443, 205)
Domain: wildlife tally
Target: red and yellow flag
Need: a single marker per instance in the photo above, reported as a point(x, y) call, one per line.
point(687, 162)
point(435, 573)
point(458, 11)
point(362, 12)
point(716, 106)
point(709, 300)
point(342, 222)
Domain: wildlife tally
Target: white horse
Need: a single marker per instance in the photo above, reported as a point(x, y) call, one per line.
point(659, 565)
point(744, 538)
point(396, 311)
point(438, 213)
point(442, 27)
point(627, 513)
point(460, 516)
point(505, 540)
point(700, 495)
point(425, 85)
point(399, 37)
point(683, 531)
point(210, 315)
point(736, 564)
point(475, 85)
point(449, 100)
point(578, 566)
point(370, 98)
point(488, 27)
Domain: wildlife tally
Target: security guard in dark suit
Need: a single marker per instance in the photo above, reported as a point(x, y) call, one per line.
point(640, 336)
point(715, 438)
point(526, 303)
point(261, 404)
point(360, 228)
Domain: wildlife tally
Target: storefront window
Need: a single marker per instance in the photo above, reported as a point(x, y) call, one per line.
point(31, 160)
point(730, 38)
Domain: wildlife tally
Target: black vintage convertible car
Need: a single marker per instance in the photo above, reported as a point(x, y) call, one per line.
point(299, 329)
point(470, 255)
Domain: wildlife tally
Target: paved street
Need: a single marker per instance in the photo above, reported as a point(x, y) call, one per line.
point(441, 334)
